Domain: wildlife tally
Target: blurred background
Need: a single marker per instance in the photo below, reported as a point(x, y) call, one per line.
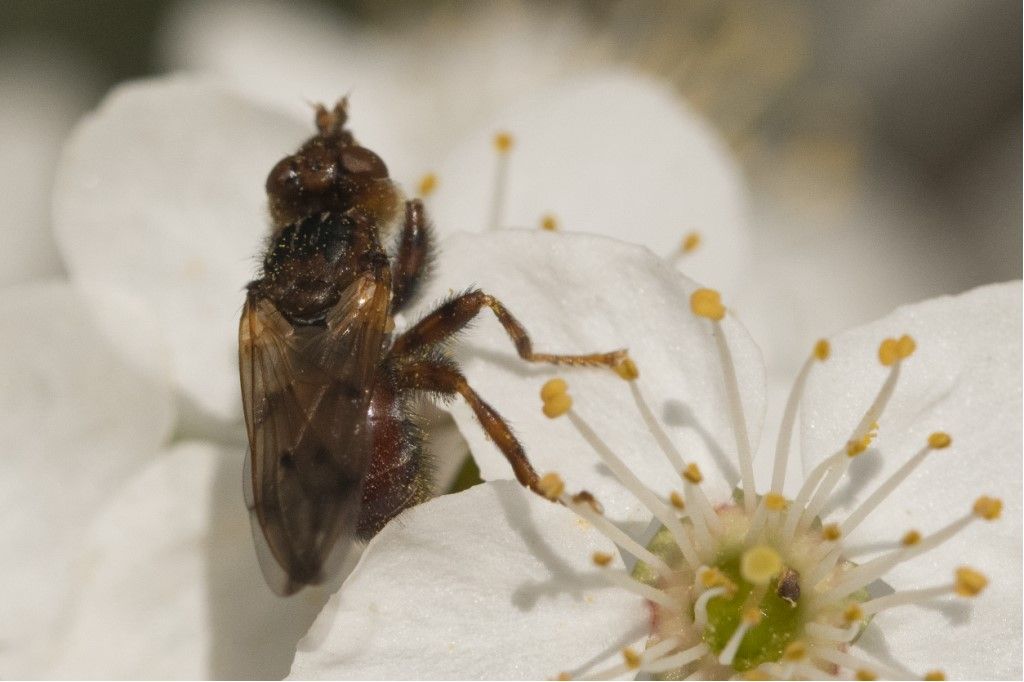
point(822, 101)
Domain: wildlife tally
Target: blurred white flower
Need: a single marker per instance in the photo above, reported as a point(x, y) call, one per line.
point(44, 88)
point(491, 582)
point(77, 424)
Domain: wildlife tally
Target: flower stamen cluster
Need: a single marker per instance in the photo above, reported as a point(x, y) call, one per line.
point(759, 584)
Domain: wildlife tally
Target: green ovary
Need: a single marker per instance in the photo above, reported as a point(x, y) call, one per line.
point(764, 642)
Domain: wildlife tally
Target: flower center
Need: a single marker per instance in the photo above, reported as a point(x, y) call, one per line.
point(759, 585)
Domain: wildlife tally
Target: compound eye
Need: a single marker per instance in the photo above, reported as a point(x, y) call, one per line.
point(283, 178)
point(361, 161)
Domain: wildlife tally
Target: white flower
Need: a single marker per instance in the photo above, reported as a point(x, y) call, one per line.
point(442, 593)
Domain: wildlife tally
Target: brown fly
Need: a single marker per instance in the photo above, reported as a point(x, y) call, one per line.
point(335, 452)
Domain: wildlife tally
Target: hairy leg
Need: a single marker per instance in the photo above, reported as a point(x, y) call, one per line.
point(413, 257)
point(445, 379)
point(455, 314)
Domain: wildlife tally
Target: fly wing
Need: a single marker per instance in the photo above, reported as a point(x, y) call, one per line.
point(305, 392)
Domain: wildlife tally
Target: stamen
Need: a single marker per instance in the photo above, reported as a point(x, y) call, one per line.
point(821, 352)
point(825, 565)
point(708, 303)
point(700, 511)
point(674, 661)
point(628, 370)
point(621, 539)
point(555, 396)
point(834, 634)
point(709, 577)
point(935, 441)
point(967, 583)
point(642, 493)
point(633, 661)
point(863, 669)
point(690, 242)
point(796, 509)
point(821, 495)
point(984, 508)
point(551, 486)
point(795, 651)
point(626, 582)
point(700, 607)
point(549, 222)
point(427, 185)
point(751, 617)
point(935, 675)
point(503, 145)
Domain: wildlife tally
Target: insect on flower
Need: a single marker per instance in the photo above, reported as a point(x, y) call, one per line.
point(335, 449)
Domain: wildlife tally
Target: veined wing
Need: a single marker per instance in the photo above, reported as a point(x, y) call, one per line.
point(305, 392)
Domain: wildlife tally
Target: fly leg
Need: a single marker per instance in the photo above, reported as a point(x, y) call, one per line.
point(456, 313)
point(413, 257)
point(444, 379)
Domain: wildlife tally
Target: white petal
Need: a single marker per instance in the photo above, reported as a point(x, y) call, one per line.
point(616, 154)
point(75, 422)
point(160, 209)
point(294, 54)
point(578, 293)
point(169, 586)
point(491, 583)
point(43, 89)
point(964, 379)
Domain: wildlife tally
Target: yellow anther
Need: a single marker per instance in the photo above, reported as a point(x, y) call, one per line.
point(905, 346)
point(856, 447)
point(911, 538)
point(503, 142)
point(584, 497)
point(775, 502)
point(549, 222)
point(988, 508)
point(677, 500)
point(887, 353)
point(551, 486)
point(939, 440)
point(752, 616)
point(712, 577)
point(563, 677)
point(428, 183)
point(557, 405)
point(865, 674)
point(552, 388)
point(707, 303)
point(795, 651)
point(822, 349)
point(935, 675)
point(831, 532)
point(853, 613)
point(692, 473)
point(627, 369)
point(631, 658)
point(690, 242)
point(969, 583)
point(602, 558)
point(760, 564)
